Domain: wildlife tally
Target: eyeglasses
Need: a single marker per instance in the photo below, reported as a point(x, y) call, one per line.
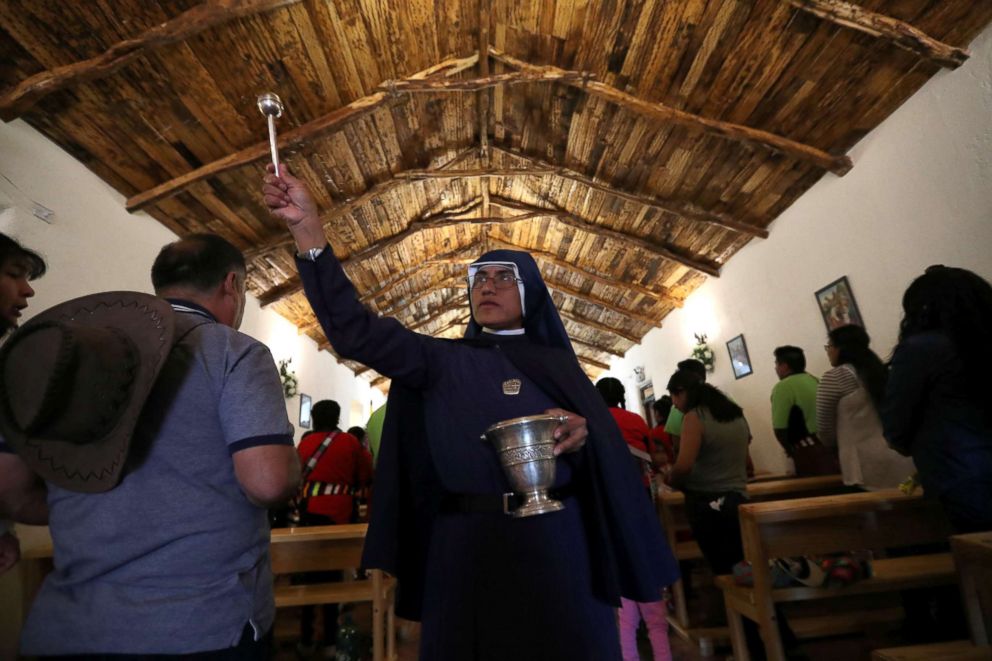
point(501, 280)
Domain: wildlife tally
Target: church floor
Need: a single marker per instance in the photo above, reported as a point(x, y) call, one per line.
point(848, 648)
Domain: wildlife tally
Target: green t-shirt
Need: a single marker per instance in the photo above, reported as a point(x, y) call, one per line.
point(674, 423)
point(373, 430)
point(795, 390)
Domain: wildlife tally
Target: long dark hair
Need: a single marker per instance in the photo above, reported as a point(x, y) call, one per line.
point(11, 249)
point(699, 394)
point(957, 303)
point(852, 348)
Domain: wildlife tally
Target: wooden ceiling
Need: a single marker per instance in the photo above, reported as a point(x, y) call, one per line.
point(631, 147)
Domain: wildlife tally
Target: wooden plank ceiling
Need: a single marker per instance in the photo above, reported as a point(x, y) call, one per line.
point(632, 147)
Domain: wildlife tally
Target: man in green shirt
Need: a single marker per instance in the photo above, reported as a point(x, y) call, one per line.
point(373, 431)
point(794, 415)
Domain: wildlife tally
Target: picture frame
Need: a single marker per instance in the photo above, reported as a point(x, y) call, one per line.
point(740, 361)
point(837, 305)
point(305, 404)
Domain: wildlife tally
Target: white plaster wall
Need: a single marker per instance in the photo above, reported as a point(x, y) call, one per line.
point(920, 193)
point(93, 245)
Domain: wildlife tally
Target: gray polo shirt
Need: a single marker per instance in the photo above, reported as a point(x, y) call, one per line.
point(175, 558)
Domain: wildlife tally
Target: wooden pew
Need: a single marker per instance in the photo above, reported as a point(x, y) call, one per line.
point(830, 524)
point(331, 548)
point(973, 559)
point(671, 511)
point(958, 650)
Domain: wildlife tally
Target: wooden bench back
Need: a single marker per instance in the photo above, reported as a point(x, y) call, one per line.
point(317, 548)
point(671, 506)
point(828, 524)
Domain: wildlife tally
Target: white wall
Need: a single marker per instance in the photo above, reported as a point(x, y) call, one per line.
point(920, 193)
point(93, 245)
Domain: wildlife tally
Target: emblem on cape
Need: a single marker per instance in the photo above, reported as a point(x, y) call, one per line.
point(511, 387)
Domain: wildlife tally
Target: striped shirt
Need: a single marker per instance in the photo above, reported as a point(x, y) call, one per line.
point(834, 385)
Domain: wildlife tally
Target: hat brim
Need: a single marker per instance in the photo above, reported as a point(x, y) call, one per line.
point(97, 465)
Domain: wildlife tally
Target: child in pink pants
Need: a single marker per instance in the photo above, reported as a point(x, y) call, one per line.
point(655, 618)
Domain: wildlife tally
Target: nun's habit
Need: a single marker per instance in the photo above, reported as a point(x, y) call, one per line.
point(485, 585)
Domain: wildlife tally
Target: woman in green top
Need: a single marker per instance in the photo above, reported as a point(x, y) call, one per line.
point(711, 467)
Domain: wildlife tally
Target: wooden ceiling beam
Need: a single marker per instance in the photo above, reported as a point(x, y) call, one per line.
point(601, 302)
point(898, 32)
point(461, 321)
point(541, 168)
point(839, 165)
point(595, 325)
point(205, 16)
point(460, 301)
point(551, 258)
point(293, 284)
point(435, 86)
point(684, 209)
point(455, 281)
point(567, 218)
point(596, 347)
point(332, 121)
point(451, 282)
point(592, 362)
point(331, 216)
point(484, 98)
point(403, 275)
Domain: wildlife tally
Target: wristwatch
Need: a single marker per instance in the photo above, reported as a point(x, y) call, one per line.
point(311, 254)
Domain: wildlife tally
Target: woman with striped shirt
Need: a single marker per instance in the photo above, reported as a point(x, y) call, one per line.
point(847, 413)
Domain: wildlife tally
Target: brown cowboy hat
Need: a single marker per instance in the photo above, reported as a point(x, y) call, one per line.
point(73, 381)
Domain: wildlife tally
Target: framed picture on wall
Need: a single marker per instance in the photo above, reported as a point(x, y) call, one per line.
point(739, 359)
point(647, 399)
point(305, 404)
point(837, 305)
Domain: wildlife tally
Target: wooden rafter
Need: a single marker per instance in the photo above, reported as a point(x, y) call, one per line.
point(839, 165)
point(901, 34)
point(601, 302)
point(460, 321)
point(434, 86)
point(542, 168)
point(571, 220)
point(484, 98)
point(458, 282)
point(333, 120)
point(528, 212)
point(209, 14)
point(402, 276)
point(592, 362)
point(595, 325)
point(663, 295)
point(449, 283)
point(596, 347)
point(332, 215)
point(460, 301)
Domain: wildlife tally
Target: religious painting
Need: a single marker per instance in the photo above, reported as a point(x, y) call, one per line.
point(647, 402)
point(305, 404)
point(837, 305)
point(740, 361)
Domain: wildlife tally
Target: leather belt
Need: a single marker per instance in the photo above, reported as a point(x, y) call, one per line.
point(492, 503)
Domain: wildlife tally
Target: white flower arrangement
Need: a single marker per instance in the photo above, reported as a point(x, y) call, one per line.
point(290, 385)
point(702, 352)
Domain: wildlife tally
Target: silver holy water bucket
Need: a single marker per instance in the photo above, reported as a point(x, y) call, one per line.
point(526, 452)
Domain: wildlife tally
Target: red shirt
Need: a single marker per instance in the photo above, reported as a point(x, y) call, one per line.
point(664, 439)
point(635, 431)
point(344, 462)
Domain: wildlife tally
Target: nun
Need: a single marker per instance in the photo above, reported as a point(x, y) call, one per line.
point(484, 584)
